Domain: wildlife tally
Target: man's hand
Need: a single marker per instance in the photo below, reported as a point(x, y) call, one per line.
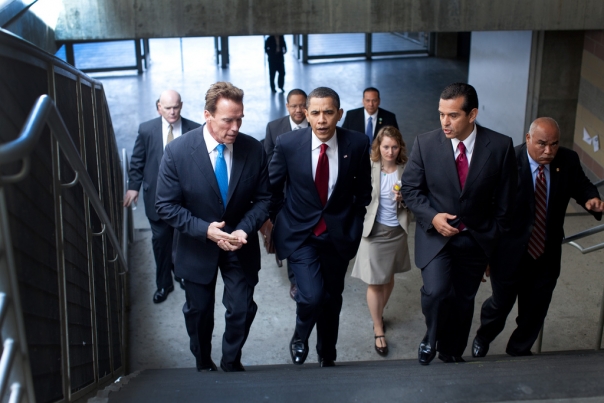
point(130, 197)
point(487, 273)
point(217, 235)
point(595, 204)
point(233, 245)
point(442, 226)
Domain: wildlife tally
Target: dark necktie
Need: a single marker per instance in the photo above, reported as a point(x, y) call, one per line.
point(222, 176)
point(322, 182)
point(536, 245)
point(369, 131)
point(462, 171)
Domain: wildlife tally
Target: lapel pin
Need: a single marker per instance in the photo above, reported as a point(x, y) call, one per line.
point(346, 156)
point(557, 169)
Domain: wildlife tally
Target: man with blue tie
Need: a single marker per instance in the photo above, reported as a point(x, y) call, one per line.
point(213, 189)
point(318, 226)
point(370, 118)
point(527, 264)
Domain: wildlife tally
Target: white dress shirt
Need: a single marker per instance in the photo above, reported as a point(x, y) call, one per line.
point(373, 121)
point(332, 156)
point(211, 143)
point(535, 170)
point(469, 143)
point(296, 126)
point(165, 128)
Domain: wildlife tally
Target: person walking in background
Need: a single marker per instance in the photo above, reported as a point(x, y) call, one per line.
point(153, 136)
point(275, 48)
point(383, 250)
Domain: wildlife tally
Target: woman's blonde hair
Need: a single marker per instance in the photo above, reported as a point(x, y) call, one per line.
point(395, 134)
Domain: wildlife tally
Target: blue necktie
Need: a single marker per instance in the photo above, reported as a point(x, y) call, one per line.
point(369, 131)
point(221, 173)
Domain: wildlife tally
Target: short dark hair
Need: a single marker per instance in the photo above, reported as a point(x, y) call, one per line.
point(464, 90)
point(296, 91)
point(371, 89)
point(324, 92)
point(222, 89)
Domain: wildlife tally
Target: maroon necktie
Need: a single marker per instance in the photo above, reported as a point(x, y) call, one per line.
point(462, 170)
point(536, 245)
point(321, 182)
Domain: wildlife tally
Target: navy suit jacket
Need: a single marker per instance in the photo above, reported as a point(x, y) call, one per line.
point(430, 185)
point(296, 216)
point(355, 120)
point(567, 180)
point(188, 198)
point(273, 129)
point(146, 156)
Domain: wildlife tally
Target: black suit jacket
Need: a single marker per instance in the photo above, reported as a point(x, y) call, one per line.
point(188, 198)
point(567, 180)
point(430, 185)
point(275, 54)
point(274, 129)
point(297, 215)
point(355, 120)
point(146, 156)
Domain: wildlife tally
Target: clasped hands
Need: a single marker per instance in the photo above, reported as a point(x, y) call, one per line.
point(225, 241)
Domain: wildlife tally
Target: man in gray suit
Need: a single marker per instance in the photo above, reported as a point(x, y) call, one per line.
point(296, 120)
point(153, 136)
point(460, 183)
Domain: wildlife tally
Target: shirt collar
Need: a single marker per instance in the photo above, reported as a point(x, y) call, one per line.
point(374, 116)
point(167, 124)
point(468, 142)
point(331, 143)
point(211, 143)
point(534, 164)
point(303, 124)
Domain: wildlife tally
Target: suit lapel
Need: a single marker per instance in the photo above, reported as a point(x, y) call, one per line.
point(238, 158)
point(305, 152)
point(525, 180)
point(199, 153)
point(343, 160)
point(480, 156)
point(554, 177)
point(447, 159)
point(158, 142)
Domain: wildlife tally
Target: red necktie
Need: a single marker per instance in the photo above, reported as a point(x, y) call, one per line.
point(462, 170)
point(321, 182)
point(536, 245)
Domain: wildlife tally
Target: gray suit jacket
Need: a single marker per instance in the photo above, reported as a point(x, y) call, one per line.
point(273, 129)
point(146, 157)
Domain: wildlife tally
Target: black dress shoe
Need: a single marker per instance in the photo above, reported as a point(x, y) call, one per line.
point(161, 294)
point(425, 353)
point(234, 367)
point(180, 281)
point(383, 351)
point(293, 290)
point(324, 363)
point(298, 350)
point(479, 348)
point(206, 366)
point(450, 358)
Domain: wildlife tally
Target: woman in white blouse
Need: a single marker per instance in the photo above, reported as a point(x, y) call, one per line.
point(383, 250)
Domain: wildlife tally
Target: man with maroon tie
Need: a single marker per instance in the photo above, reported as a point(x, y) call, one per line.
point(527, 264)
point(460, 184)
point(318, 226)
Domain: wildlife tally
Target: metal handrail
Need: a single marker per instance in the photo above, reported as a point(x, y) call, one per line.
point(45, 112)
point(571, 239)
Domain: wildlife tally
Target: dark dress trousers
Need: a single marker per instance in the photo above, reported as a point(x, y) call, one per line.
point(188, 198)
point(144, 167)
point(355, 120)
point(275, 59)
point(452, 267)
point(514, 273)
point(319, 263)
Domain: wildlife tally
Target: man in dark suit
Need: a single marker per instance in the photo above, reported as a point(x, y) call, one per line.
point(213, 189)
point(527, 265)
point(275, 48)
point(318, 226)
point(296, 120)
point(370, 118)
point(460, 183)
point(153, 136)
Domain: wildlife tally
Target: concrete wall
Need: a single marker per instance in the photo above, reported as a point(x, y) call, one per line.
point(499, 70)
point(590, 107)
point(125, 19)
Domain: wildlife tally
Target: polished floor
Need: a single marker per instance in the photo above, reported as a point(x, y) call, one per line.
point(410, 88)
